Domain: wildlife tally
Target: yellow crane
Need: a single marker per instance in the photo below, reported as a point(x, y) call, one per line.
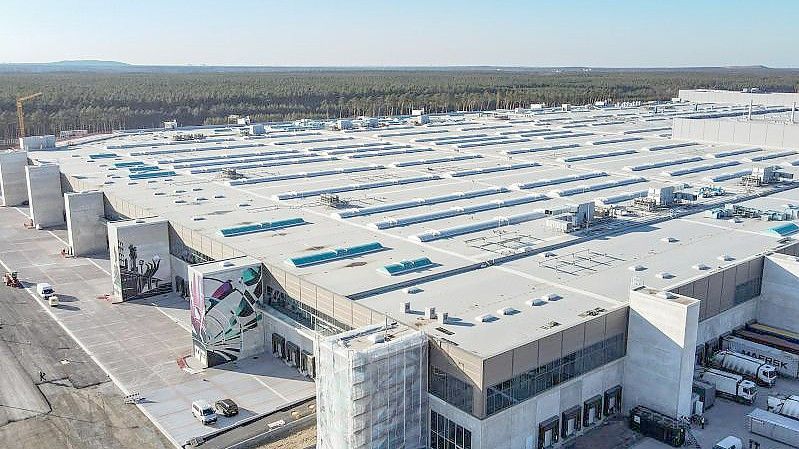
point(21, 111)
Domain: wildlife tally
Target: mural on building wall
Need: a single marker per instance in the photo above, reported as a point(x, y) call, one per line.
point(138, 275)
point(225, 321)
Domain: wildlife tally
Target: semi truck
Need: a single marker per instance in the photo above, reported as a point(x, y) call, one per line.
point(749, 367)
point(784, 405)
point(729, 385)
point(768, 340)
point(786, 363)
point(773, 426)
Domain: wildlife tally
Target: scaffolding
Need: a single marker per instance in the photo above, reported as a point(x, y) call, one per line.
point(372, 389)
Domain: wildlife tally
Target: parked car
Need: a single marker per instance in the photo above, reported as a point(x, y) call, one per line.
point(203, 411)
point(44, 290)
point(226, 407)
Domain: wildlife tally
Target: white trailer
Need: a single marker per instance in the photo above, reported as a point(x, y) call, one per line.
point(784, 405)
point(749, 367)
point(773, 426)
point(729, 385)
point(786, 363)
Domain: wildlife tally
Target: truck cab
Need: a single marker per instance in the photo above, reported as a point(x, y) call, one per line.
point(729, 442)
point(747, 390)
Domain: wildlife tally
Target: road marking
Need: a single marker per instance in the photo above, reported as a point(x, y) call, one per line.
point(269, 388)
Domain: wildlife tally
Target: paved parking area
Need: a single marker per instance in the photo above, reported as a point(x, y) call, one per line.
point(138, 343)
point(729, 418)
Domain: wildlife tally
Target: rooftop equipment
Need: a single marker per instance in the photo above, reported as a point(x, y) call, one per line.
point(261, 227)
point(335, 254)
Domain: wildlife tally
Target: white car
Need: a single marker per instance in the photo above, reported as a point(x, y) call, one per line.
point(44, 290)
point(203, 411)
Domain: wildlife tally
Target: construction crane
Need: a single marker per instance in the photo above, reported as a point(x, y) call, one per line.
point(21, 111)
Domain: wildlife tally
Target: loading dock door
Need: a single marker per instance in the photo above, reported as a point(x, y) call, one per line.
point(592, 410)
point(571, 421)
point(613, 400)
point(548, 432)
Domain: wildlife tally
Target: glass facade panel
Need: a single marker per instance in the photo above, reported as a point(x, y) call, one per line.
point(451, 389)
point(535, 381)
point(445, 434)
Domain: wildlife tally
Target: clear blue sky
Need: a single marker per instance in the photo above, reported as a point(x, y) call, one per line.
point(629, 33)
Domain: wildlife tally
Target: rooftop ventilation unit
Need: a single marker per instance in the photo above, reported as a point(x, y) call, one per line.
point(96, 156)
point(535, 302)
point(664, 275)
point(725, 258)
point(700, 267)
point(430, 313)
point(586, 157)
point(666, 295)
point(506, 311)
point(406, 266)
point(261, 227)
point(418, 202)
point(541, 149)
point(669, 146)
point(484, 318)
point(335, 254)
point(636, 268)
point(152, 174)
point(563, 180)
point(669, 240)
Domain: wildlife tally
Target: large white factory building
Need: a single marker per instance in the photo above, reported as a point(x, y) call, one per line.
point(495, 280)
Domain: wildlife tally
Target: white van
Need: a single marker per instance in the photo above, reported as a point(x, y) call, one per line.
point(730, 442)
point(203, 411)
point(44, 290)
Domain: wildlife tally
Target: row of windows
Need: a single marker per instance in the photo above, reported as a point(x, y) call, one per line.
point(445, 434)
point(303, 313)
point(451, 389)
point(537, 380)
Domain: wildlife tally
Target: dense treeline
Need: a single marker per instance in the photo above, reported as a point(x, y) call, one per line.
point(105, 101)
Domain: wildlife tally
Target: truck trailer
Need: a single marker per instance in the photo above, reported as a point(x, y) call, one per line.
point(749, 367)
point(773, 426)
point(786, 363)
point(729, 385)
point(784, 405)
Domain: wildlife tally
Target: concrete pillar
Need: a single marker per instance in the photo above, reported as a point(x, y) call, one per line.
point(234, 327)
point(86, 225)
point(779, 294)
point(661, 347)
point(140, 262)
point(13, 189)
point(45, 198)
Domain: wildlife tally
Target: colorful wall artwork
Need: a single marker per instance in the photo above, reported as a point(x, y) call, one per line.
point(226, 323)
point(140, 259)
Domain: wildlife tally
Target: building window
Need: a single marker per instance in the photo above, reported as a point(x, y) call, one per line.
point(451, 389)
point(445, 434)
point(303, 313)
point(535, 381)
point(747, 290)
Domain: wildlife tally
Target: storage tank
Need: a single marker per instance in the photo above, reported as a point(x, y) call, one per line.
point(784, 405)
point(749, 367)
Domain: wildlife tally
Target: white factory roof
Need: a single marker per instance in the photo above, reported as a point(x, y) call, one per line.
point(466, 189)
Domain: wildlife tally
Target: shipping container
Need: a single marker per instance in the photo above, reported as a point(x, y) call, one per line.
point(784, 405)
point(769, 340)
point(761, 328)
point(773, 426)
point(787, 363)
